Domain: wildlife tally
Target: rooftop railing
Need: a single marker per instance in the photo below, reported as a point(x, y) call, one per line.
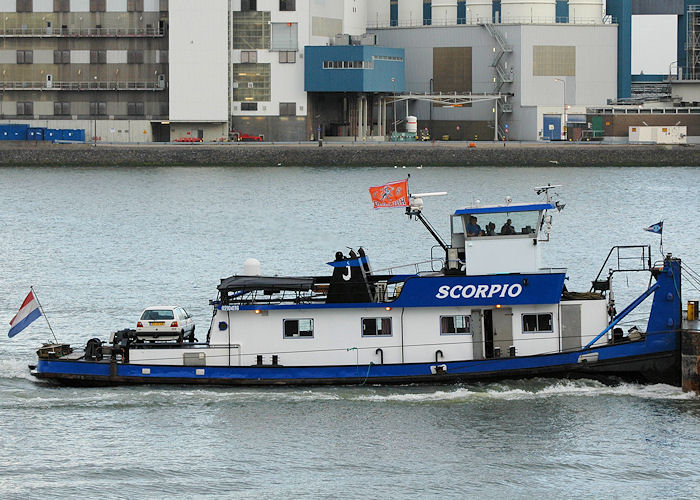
point(476, 20)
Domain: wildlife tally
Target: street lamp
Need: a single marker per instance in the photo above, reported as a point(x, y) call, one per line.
point(564, 128)
point(393, 82)
point(94, 117)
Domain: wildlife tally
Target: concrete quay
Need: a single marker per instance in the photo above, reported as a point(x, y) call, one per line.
point(510, 154)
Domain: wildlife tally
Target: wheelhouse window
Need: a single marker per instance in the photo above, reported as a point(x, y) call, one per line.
point(537, 323)
point(455, 325)
point(501, 224)
point(376, 327)
point(296, 328)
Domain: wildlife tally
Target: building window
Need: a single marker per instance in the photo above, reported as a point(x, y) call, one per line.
point(98, 57)
point(288, 56)
point(247, 5)
point(455, 325)
point(61, 108)
point(537, 323)
point(134, 5)
point(251, 82)
point(288, 109)
point(250, 30)
point(98, 108)
point(61, 5)
point(134, 57)
point(24, 6)
point(284, 36)
point(296, 328)
point(25, 108)
point(287, 5)
point(134, 108)
point(249, 106)
point(98, 5)
point(376, 327)
point(61, 56)
point(249, 56)
point(25, 57)
point(348, 64)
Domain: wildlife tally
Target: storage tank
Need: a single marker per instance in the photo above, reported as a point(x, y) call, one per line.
point(586, 11)
point(479, 11)
point(528, 11)
point(378, 13)
point(411, 13)
point(411, 124)
point(444, 12)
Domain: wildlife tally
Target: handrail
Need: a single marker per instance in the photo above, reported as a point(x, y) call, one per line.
point(78, 32)
point(415, 265)
point(86, 85)
point(624, 313)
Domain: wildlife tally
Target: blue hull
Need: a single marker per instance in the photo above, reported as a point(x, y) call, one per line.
point(656, 359)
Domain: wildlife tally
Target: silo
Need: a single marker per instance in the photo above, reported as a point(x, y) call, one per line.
point(410, 13)
point(586, 11)
point(378, 13)
point(444, 12)
point(528, 11)
point(479, 11)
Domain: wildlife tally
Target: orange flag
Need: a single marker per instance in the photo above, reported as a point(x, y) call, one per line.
point(393, 194)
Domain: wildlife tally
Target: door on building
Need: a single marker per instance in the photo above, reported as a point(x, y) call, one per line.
point(551, 127)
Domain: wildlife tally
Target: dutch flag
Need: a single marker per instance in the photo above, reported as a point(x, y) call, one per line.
point(29, 311)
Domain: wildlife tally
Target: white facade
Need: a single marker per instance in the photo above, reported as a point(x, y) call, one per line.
point(198, 46)
point(318, 21)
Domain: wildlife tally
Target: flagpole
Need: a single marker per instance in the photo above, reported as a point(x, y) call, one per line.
point(44, 314)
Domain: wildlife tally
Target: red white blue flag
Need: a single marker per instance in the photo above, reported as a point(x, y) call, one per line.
point(394, 194)
point(28, 312)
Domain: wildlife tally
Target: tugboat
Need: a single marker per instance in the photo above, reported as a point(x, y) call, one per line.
point(482, 308)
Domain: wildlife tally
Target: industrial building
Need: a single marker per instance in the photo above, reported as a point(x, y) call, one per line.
point(347, 70)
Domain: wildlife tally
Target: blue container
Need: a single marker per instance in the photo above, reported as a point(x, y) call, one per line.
point(35, 134)
point(13, 132)
point(53, 134)
point(74, 135)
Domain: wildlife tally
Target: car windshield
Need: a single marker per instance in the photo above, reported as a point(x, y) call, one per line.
point(157, 314)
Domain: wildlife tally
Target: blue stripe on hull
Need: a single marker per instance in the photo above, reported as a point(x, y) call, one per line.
point(666, 343)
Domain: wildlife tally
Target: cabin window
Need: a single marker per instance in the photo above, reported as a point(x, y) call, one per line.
point(501, 223)
point(296, 328)
point(455, 325)
point(537, 323)
point(376, 327)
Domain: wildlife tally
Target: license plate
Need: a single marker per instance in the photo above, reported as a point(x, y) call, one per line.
point(157, 323)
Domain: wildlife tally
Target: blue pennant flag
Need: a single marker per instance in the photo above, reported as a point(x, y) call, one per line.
point(656, 228)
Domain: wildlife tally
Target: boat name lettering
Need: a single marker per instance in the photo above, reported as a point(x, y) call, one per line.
point(230, 308)
point(479, 291)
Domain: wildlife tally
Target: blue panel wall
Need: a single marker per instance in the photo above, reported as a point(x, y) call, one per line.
point(378, 79)
point(562, 11)
point(621, 10)
point(496, 10)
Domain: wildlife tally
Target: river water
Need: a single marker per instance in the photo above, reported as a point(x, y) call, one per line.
point(100, 244)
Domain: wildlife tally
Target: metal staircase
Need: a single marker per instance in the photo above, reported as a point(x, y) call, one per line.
point(503, 76)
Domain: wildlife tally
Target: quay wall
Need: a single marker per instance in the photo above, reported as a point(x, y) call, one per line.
point(355, 154)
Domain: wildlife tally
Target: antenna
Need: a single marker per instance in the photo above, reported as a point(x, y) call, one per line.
point(546, 189)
